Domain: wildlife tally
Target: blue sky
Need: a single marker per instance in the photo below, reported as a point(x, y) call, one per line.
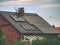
point(47, 9)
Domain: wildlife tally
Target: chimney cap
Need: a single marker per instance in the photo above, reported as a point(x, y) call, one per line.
point(21, 8)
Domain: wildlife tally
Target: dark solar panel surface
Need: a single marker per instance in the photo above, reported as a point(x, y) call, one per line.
point(28, 27)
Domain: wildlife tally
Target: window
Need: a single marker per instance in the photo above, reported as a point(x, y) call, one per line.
point(26, 39)
point(17, 18)
point(27, 26)
point(22, 37)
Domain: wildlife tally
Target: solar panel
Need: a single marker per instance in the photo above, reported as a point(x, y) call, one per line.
point(27, 26)
point(24, 26)
point(17, 19)
point(21, 19)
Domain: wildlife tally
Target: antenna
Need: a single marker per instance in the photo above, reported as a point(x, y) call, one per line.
point(15, 9)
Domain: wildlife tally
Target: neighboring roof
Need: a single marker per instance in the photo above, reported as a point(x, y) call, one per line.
point(39, 22)
point(57, 28)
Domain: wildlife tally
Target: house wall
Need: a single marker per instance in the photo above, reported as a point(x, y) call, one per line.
point(9, 31)
point(58, 29)
point(30, 38)
point(2, 21)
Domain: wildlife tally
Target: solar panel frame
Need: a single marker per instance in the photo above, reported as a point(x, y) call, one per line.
point(17, 19)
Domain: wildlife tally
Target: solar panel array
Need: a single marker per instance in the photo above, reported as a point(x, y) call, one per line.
point(28, 27)
point(16, 18)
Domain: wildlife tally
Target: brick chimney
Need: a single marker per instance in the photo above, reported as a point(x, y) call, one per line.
point(21, 11)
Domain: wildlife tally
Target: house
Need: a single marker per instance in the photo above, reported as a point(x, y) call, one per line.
point(23, 26)
point(58, 29)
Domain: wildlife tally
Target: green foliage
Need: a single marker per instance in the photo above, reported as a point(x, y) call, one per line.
point(2, 41)
point(18, 42)
point(50, 40)
point(1, 37)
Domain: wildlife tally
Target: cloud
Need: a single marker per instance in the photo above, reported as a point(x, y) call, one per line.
point(22, 2)
point(49, 5)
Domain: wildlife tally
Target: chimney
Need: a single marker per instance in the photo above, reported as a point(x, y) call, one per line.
point(21, 11)
point(53, 26)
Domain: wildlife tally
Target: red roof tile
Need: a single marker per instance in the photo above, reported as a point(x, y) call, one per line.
point(57, 28)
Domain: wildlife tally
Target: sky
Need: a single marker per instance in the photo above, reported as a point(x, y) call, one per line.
point(49, 10)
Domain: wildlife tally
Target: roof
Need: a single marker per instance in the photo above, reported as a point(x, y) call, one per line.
point(57, 28)
point(34, 20)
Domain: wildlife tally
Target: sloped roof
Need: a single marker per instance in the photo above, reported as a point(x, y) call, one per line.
point(39, 22)
point(57, 28)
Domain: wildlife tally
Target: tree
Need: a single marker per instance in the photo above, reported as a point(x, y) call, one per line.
point(50, 40)
point(1, 37)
